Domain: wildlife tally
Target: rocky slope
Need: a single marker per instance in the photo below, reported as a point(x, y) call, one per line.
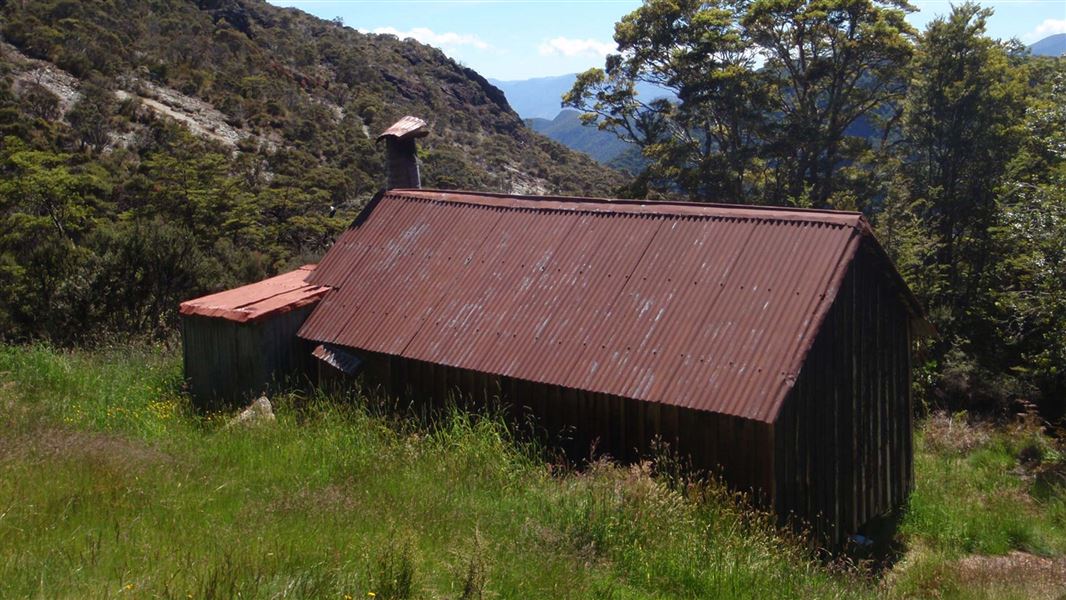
point(252, 76)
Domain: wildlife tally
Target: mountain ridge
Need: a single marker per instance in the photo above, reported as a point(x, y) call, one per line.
point(311, 64)
point(567, 129)
point(1052, 45)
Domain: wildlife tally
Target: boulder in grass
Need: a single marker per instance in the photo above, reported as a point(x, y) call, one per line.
point(257, 413)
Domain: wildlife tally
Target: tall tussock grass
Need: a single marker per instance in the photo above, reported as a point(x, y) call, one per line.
point(132, 493)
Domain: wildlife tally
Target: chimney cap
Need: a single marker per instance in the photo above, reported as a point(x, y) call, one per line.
point(405, 129)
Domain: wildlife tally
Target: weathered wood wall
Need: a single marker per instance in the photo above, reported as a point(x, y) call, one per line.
point(843, 441)
point(227, 363)
point(581, 422)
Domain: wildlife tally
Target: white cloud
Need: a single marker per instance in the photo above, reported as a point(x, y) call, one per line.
point(446, 39)
point(1048, 27)
point(574, 47)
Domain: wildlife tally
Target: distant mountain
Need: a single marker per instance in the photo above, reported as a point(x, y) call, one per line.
point(535, 96)
point(604, 146)
point(541, 97)
point(567, 129)
point(1053, 45)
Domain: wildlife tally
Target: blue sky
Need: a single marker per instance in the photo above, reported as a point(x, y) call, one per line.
point(519, 39)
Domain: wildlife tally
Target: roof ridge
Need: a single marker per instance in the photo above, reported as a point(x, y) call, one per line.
point(671, 207)
point(621, 201)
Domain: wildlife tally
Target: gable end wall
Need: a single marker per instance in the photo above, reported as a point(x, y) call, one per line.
point(843, 438)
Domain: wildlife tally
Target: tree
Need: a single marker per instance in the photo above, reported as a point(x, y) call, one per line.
point(1028, 275)
point(833, 62)
point(969, 230)
point(962, 125)
point(740, 130)
point(90, 117)
point(706, 142)
point(39, 101)
point(46, 210)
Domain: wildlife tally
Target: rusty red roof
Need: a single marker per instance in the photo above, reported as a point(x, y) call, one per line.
point(709, 307)
point(251, 302)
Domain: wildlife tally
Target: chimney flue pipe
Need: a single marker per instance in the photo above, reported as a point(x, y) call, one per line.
point(401, 161)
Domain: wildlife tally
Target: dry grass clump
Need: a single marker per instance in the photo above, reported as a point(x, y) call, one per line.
point(56, 443)
point(947, 432)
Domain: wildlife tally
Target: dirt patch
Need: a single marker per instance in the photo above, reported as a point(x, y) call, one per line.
point(1020, 572)
point(63, 444)
point(525, 184)
point(52, 78)
point(198, 116)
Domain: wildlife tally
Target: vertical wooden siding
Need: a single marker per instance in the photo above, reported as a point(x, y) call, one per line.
point(228, 362)
point(843, 448)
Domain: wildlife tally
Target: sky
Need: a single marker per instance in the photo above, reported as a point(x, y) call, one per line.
point(522, 39)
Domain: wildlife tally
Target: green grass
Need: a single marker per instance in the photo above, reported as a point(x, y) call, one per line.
point(975, 503)
point(111, 487)
point(975, 495)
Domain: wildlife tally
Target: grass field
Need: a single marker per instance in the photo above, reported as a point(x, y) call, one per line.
point(110, 486)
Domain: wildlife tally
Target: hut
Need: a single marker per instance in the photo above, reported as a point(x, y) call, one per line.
point(771, 345)
point(240, 342)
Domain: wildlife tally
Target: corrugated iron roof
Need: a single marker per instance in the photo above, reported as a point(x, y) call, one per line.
point(254, 301)
point(709, 307)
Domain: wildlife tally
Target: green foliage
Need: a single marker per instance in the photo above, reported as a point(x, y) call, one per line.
point(974, 213)
point(981, 492)
point(1026, 303)
point(972, 503)
point(962, 122)
point(742, 131)
point(108, 479)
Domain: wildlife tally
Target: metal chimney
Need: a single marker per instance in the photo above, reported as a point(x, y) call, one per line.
point(401, 163)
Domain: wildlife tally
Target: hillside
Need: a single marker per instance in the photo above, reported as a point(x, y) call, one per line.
point(296, 81)
point(567, 129)
point(234, 134)
point(1053, 45)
